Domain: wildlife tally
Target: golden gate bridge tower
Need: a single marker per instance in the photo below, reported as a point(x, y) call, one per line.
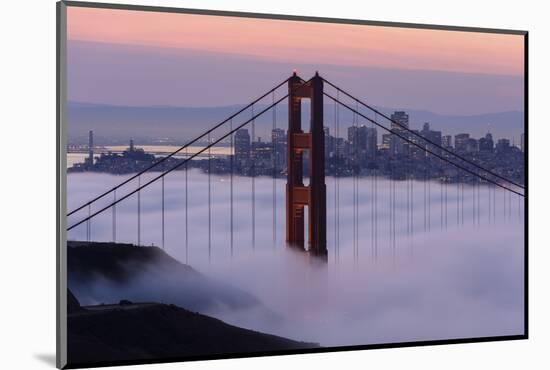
point(298, 196)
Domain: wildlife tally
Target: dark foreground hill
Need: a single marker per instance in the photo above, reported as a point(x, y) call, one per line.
point(151, 331)
point(108, 272)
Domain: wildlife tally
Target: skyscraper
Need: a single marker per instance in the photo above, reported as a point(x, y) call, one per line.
point(472, 145)
point(386, 141)
point(353, 151)
point(328, 142)
point(242, 147)
point(503, 145)
point(399, 125)
point(447, 141)
point(353, 136)
point(486, 143)
point(461, 142)
point(371, 142)
point(433, 136)
point(91, 148)
point(278, 139)
point(277, 136)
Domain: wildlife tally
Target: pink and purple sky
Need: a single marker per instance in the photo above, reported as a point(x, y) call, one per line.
point(126, 57)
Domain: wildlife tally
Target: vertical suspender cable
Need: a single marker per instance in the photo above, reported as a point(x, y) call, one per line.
point(478, 185)
point(441, 197)
point(186, 210)
point(390, 189)
point(114, 217)
point(393, 215)
point(338, 178)
point(509, 206)
point(209, 203)
point(446, 201)
point(473, 201)
point(429, 199)
point(462, 201)
point(355, 168)
point(162, 193)
point(335, 169)
point(412, 177)
point(89, 225)
point(253, 168)
point(489, 200)
point(506, 205)
point(457, 196)
point(231, 158)
point(375, 188)
point(407, 183)
point(139, 212)
point(274, 155)
point(425, 205)
point(371, 199)
point(493, 190)
point(519, 207)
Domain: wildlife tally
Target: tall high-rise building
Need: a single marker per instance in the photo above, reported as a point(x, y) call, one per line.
point(472, 145)
point(278, 135)
point(352, 148)
point(503, 145)
point(461, 142)
point(278, 139)
point(417, 143)
point(357, 140)
point(434, 137)
point(353, 136)
point(371, 142)
point(386, 141)
point(91, 148)
point(328, 142)
point(447, 141)
point(339, 146)
point(486, 143)
point(242, 146)
point(399, 125)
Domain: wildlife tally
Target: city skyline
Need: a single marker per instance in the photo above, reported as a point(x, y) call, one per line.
point(358, 152)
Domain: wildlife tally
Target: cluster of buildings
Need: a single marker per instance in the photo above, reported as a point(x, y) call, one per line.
point(131, 160)
point(404, 153)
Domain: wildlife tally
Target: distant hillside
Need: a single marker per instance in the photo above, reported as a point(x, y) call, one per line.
point(143, 123)
point(151, 331)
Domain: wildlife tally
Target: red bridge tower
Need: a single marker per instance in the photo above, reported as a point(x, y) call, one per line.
point(297, 195)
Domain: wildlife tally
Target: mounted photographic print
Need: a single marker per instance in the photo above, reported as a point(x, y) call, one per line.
point(235, 184)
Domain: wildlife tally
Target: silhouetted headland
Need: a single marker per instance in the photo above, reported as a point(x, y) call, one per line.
point(141, 331)
point(136, 303)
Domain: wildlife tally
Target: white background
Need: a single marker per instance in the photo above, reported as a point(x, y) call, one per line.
point(27, 194)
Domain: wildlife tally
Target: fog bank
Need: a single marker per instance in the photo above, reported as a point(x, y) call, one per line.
point(435, 280)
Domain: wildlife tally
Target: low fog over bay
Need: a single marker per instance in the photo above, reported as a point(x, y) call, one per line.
point(456, 276)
